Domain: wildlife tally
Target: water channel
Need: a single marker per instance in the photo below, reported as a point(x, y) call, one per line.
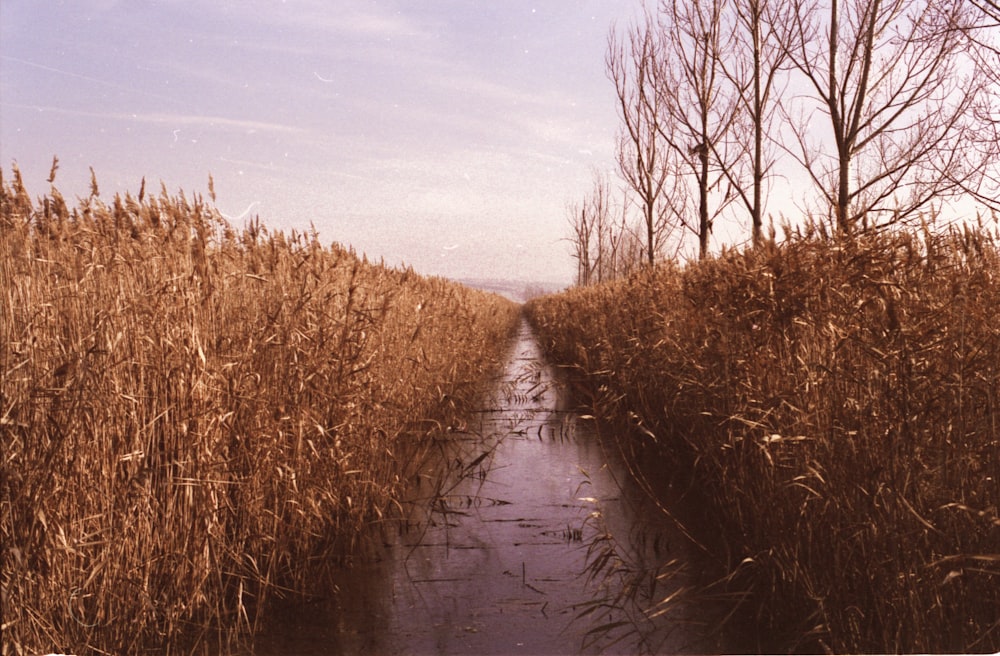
point(528, 552)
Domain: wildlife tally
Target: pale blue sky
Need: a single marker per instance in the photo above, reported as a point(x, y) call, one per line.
point(445, 134)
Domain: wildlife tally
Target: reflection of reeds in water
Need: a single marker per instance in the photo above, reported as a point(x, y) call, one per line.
point(644, 595)
point(450, 460)
point(196, 418)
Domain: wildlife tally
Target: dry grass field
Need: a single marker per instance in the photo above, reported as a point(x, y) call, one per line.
point(196, 419)
point(837, 407)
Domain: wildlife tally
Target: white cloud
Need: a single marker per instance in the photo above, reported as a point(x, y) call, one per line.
point(187, 120)
point(345, 18)
point(210, 121)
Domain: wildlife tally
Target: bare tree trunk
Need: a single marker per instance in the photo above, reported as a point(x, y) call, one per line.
point(704, 221)
point(650, 230)
point(758, 124)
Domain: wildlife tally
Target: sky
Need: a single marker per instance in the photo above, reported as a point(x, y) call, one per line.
point(445, 135)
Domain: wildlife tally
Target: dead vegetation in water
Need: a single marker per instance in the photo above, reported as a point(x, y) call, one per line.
point(838, 404)
point(197, 418)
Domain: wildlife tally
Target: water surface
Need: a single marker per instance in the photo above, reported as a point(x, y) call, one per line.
point(525, 552)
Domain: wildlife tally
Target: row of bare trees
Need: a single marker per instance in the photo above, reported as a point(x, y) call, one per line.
point(864, 113)
point(605, 246)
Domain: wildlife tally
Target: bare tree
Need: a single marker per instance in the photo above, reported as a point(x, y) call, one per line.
point(583, 231)
point(617, 259)
point(606, 243)
point(888, 76)
point(761, 28)
point(601, 210)
point(643, 161)
point(626, 247)
point(698, 103)
point(591, 224)
point(984, 47)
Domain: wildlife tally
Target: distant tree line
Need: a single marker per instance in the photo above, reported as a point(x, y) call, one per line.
point(875, 113)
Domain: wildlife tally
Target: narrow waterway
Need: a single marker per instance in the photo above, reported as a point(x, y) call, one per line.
point(530, 549)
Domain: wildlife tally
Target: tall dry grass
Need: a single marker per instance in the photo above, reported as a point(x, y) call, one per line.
point(196, 418)
point(838, 408)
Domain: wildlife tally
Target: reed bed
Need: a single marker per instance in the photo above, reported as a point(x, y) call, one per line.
point(197, 418)
point(837, 406)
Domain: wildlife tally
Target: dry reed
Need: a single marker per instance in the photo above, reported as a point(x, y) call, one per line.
point(838, 407)
point(197, 418)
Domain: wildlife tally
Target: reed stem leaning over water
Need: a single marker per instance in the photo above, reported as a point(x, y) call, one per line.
point(196, 417)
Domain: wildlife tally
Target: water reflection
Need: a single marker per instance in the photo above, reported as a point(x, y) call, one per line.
point(498, 563)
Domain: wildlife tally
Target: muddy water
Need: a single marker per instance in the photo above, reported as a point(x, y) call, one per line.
point(526, 552)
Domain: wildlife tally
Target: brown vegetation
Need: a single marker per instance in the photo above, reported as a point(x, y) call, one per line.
point(196, 418)
point(838, 405)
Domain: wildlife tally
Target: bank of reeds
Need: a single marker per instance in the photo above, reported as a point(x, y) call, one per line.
point(838, 407)
point(196, 418)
